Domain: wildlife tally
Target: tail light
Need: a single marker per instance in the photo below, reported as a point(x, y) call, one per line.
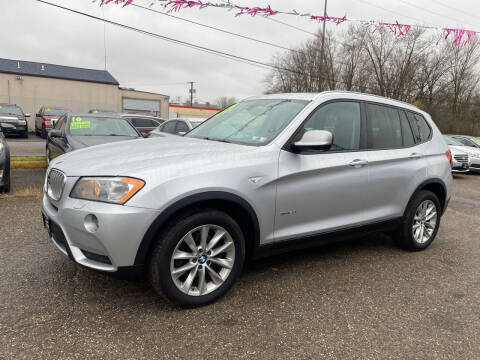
point(449, 157)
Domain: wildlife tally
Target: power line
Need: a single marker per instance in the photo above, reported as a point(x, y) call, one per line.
point(394, 12)
point(453, 8)
point(432, 12)
point(215, 28)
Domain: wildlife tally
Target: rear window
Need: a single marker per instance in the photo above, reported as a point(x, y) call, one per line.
point(420, 126)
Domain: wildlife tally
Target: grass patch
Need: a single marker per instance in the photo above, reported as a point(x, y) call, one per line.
point(29, 191)
point(28, 158)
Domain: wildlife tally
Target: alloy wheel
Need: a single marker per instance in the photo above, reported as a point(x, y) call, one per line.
point(424, 221)
point(202, 260)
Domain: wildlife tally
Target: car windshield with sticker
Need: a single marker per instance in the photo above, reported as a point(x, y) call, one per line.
point(100, 126)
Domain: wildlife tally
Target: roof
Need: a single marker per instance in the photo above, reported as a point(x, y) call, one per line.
point(20, 67)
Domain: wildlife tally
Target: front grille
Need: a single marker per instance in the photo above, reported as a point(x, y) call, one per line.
point(55, 184)
point(477, 166)
point(59, 237)
point(461, 158)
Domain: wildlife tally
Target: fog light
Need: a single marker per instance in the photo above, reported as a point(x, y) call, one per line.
point(91, 223)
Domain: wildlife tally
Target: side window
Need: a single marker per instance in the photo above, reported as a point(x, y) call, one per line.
point(169, 127)
point(63, 124)
point(153, 123)
point(342, 119)
point(421, 128)
point(408, 137)
point(141, 122)
point(181, 127)
point(384, 130)
point(132, 120)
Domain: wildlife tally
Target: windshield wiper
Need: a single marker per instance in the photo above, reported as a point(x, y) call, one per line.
point(213, 139)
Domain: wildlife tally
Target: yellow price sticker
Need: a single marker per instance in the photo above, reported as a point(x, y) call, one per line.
point(79, 123)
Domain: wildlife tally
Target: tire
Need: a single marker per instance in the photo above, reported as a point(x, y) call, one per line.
point(162, 266)
point(25, 135)
point(44, 133)
point(409, 238)
point(6, 178)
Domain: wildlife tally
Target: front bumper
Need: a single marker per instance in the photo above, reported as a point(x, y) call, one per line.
point(14, 128)
point(112, 246)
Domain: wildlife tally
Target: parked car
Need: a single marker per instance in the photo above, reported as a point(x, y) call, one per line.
point(102, 112)
point(46, 118)
point(13, 120)
point(144, 123)
point(175, 127)
point(77, 131)
point(473, 154)
point(466, 140)
point(274, 172)
point(4, 164)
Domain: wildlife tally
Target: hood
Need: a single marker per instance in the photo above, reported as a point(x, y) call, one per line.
point(142, 156)
point(466, 149)
point(80, 142)
point(9, 118)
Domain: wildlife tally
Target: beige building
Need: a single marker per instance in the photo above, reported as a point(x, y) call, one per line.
point(182, 111)
point(33, 85)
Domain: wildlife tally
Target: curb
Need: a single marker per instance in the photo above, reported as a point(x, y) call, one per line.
point(28, 164)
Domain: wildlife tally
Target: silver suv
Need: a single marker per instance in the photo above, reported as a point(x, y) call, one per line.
point(268, 174)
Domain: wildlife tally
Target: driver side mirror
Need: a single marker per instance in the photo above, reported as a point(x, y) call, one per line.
point(55, 133)
point(27, 115)
point(314, 140)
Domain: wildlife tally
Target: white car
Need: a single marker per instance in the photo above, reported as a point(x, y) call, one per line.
point(473, 154)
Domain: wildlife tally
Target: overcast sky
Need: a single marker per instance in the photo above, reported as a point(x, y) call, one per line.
point(37, 32)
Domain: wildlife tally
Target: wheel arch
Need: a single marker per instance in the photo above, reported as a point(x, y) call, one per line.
point(235, 206)
point(437, 186)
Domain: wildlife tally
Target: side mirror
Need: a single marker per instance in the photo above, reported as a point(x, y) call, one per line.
point(315, 140)
point(144, 134)
point(27, 115)
point(38, 115)
point(55, 133)
point(181, 133)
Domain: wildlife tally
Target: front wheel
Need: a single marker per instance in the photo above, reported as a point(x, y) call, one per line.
point(197, 258)
point(421, 222)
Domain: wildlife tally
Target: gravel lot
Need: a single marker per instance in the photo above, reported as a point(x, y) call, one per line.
point(365, 299)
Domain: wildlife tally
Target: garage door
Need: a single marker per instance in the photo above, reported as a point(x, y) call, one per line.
point(139, 106)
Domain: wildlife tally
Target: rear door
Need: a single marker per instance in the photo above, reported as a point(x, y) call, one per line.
point(324, 191)
point(396, 162)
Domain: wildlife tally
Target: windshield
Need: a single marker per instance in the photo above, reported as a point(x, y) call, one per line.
point(451, 141)
point(10, 110)
point(55, 112)
point(100, 126)
point(254, 122)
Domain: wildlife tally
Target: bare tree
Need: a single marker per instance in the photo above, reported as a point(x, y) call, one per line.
point(225, 101)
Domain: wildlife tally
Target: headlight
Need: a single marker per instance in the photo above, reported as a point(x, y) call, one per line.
point(117, 190)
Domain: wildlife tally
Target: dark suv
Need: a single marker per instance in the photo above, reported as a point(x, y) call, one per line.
point(13, 120)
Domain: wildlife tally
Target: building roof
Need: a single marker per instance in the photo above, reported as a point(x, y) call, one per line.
point(194, 107)
point(20, 67)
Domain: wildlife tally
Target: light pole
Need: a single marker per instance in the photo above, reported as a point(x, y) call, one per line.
point(323, 34)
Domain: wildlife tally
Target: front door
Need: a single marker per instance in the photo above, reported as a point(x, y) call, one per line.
point(324, 191)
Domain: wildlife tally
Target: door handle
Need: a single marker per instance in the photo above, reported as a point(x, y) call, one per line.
point(415, 156)
point(358, 163)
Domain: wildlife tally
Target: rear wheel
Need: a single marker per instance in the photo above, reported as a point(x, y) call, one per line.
point(44, 132)
point(6, 180)
point(197, 258)
point(421, 222)
point(25, 134)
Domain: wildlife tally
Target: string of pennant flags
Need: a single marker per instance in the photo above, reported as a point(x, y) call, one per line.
point(459, 36)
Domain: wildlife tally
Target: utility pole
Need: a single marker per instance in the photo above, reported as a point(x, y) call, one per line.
point(192, 91)
point(323, 33)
